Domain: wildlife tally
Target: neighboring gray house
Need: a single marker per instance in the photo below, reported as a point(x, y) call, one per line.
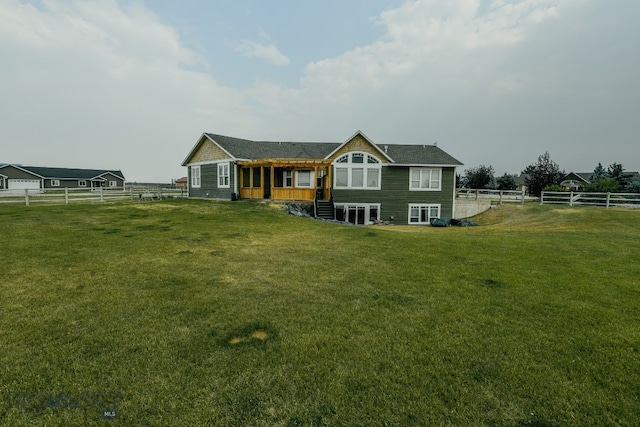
point(356, 181)
point(576, 181)
point(19, 177)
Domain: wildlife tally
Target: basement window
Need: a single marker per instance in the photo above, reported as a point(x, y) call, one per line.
point(358, 213)
point(423, 213)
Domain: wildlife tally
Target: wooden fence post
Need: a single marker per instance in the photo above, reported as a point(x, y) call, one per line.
point(26, 196)
point(522, 197)
point(66, 195)
point(571, 198)
point(608, 199)
point(101, 195)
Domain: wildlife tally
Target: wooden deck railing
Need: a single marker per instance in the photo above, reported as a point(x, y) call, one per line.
point(280, 193)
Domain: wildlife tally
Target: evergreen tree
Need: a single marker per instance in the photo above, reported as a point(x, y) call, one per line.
point(598, 173)
point(480, 177)
point(542, 173)
point(616, 171)
point(634, 185)
point(506, 182)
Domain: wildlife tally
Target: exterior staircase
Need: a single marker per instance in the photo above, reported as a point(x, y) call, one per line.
point(325, 209)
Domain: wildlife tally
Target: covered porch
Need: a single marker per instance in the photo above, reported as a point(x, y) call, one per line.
point(285, 179)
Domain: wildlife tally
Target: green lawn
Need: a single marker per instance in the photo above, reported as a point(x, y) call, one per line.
point(200, 313)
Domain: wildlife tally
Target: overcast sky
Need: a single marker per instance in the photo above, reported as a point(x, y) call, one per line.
point(132, 85)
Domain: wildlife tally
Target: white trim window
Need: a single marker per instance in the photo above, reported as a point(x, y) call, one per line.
point(55, 183)
point(82, 183)
point(195, 176)
point(357, 171)
point(113, 184)
point(223, 175)
point(423, 213)
point(304, 179)
point(425, 179)
point(358, 213)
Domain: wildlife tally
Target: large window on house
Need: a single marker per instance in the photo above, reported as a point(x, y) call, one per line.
point(82, 183)
point(195, 176)
point(55, 183)
point(425, 179)
point(357, 170)
point(113, 184)
point(423, 213)
point(223, 175)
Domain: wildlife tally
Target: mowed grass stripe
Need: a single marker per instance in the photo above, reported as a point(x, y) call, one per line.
point(234, 313)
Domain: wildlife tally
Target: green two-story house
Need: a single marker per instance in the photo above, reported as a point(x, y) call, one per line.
point(356, 181)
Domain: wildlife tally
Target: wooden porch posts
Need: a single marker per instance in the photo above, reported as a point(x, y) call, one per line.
point(253, 186)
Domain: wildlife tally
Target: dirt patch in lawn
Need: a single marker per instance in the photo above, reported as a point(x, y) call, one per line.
point(250, 334)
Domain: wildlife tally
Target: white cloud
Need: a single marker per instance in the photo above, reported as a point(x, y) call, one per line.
point(266, 51)
point(435, 60)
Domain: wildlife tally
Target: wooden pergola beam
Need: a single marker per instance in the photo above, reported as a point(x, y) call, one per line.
point(284, 163)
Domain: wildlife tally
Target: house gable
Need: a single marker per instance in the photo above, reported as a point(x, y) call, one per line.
point(580, 177)
point(17, 172)
point(206, 150)
point(109, 176)
point(359, 142)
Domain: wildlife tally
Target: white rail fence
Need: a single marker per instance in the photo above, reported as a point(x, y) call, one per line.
point(71, 195)
point(607, 200)
point(495, 196)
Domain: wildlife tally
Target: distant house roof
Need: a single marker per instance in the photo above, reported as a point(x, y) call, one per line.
point(400, 154)
point(68, 173)
point(586, 176)
point(521, 179)
point(182, 180)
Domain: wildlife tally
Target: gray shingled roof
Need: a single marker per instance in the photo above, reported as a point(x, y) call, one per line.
point(253, 150)
point(418, 155)
point(69, 173)
point(401, 154)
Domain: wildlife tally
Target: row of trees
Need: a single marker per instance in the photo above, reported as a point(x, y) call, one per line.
point(483, 177)
point(545, 174)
